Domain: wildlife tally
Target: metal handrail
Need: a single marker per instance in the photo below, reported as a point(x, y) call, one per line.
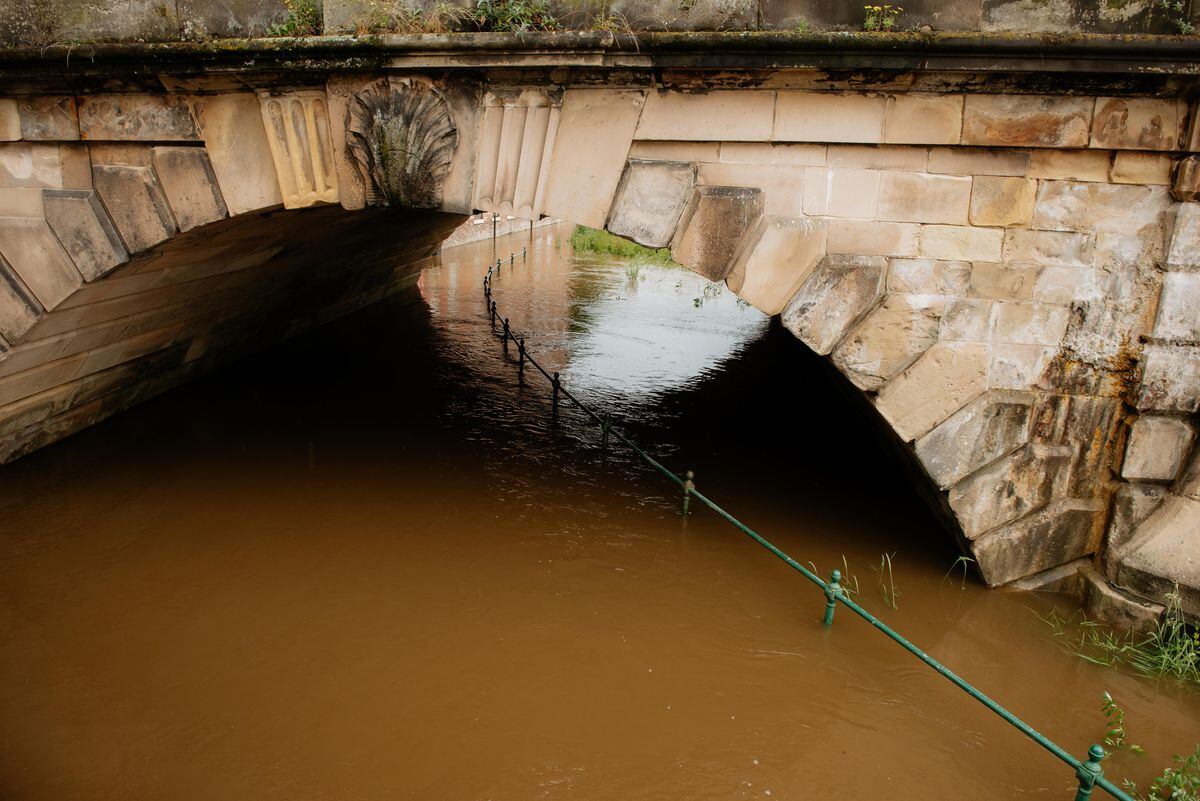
point(1088, 771)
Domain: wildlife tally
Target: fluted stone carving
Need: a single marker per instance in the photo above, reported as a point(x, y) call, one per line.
point(402, 136)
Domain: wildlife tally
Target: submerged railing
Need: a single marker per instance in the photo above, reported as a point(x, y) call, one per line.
point(1088, 771)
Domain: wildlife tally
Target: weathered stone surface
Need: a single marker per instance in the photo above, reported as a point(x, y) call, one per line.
point(1056, 534)
point(978, 161)
point(875, 157)
point(1157, 448)
point(967, 320)
point(841, 192)
point(595, 130)
point(929, 276)
point(85, 231)
point(49, 119)
point(10, 120)
point(1132, 503)
point(129, 117)
point(1019, 366)
point(1031, 323)
point(1166, 552)
point(190, 185)
point(1027, 120)
point(136, 204)
point(1170, 379)
point(1002, 280)
point(915, 118)
point(924, 197)
point(993, 425)
point(1064, 285)
point(236, 142)
point(737, 116)
point(828, 117)
point(1179, 307)
point(773, 153)
point(297, 128)
point(1184, 248)
point(775, 260)
point(1122, 610)
point(889, 339)
point(712, 226)
point(1001, 201)
point(1189, 482)
point(688, 151)
point(961, 243)
point(837, 293)
point(1011, 487)
point(1126, 123)
point(19, 309)
point(1132, 167)
point(1069, 165)
point(22, 202)
point(650, 201)
point(33, 252)
point(939, 383)
point(1048, 247)
point(1185, 179)
point(871, 238)
point(34, 165)
point(1082, 206)
point(782, 185)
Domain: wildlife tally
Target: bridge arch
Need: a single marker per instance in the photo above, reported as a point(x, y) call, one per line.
point(1009, 278)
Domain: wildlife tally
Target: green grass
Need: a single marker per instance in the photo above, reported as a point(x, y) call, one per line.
point(591, 240)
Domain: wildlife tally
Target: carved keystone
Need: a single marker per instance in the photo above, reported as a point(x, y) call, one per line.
point(402, 137)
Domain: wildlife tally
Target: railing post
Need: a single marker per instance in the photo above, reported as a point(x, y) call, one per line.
point(495, 217)
point(506, 334)
point(523, 250)
point(493, 312)
point(832, 590)
point(521, 357)
point(605, 425)
point(689, 484)
point(487, 287)
point(1089, 773)
point(512, 258)
point(554, 382)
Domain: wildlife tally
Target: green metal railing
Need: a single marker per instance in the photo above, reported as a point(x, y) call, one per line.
point(1088, 771)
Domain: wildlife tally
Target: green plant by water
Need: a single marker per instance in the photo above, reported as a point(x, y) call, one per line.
point(591, 240)
point(1171, 649)
point(1177, 782)
point(887, 581)
point(881, 18)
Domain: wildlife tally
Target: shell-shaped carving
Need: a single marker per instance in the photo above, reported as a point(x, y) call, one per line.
point(403, 137)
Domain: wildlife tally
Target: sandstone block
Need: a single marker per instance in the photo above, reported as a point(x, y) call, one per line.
point(49, 119)
point(1184, 248)
point(1185, 179)
point(650, 200)
point(967, 320)
point(837, 293)
point(30, 165)
point(1054, 535)
point(1010, 488)
point(775, 260)
point(1031, 323)
point(782, 185)
point(1069, 165)
point(889, 339)
point(1048, 247)
point(188, 180)
point(961, 243)
point(297, 128)
point(1179, 307)
point(1027, 120)
point(1002, 280)
point(923, 119)
point(828, 117)
point(82, 225)
point(870, 238)
point(760, 153)
point(841, 192)
point(711, 227)
point(1170, 379)
point(1164, 554)
point(1132, 504)
point(33, 252)
point(993, 425)
point(236, 142)
point(595, 130)
point(678, 151)
point(1067, 285)
point(978, 161)
point(876, 157)
point(1132, 167)
point(744, 116)
point(1127, 123)
point(1019, 366)
point(928, 276)
point(19, 309)
point(1119, 609)
point(924, 197)
point(1157, 448)
point(10, 120)
point(1000, 201)
point(940, 382)
point(136, 204)
point(1082, 206)
point(131, 117)
point(22, 202)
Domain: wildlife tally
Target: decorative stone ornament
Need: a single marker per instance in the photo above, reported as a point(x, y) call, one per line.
point(402, 136)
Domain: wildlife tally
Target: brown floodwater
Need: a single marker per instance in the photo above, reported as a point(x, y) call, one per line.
point(369, 565)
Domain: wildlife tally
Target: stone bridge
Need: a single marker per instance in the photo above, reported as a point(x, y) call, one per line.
point(997, 241)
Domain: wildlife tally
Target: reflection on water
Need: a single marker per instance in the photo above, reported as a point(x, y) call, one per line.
point(370, 565)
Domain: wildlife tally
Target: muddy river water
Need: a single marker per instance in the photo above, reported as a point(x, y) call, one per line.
point(369, 565)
